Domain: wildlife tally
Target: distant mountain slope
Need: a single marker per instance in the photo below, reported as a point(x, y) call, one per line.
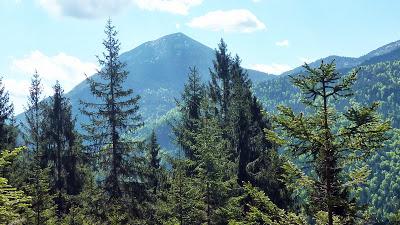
point(382, 50)
point(390, 51)
point(379, 81)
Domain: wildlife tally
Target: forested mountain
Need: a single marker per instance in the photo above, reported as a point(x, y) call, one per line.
point(389, 51)
point(378, 79)
point(157, 71)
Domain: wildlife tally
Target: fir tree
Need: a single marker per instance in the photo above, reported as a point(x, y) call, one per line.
point(256, 208)
point(256, 157)
point(213, 170)
point(332, 140)
point(62, 147)
point(38, 183)
point(153, 151)
point(190, 110)
point(7, 129)
point(14, 204)
point(114, 114)
point(221, 82)
point(185, 196)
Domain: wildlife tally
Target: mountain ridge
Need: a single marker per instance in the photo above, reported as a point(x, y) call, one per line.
point(343, 62)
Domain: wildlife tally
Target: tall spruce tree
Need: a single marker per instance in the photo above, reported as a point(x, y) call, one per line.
point(185, 200)
point(7, 129)
point(214, 170)
point(332, 140)
point(153, 151)
point(221, 81)
point(190, 109)
point(239, 123)
point(63, 149)
point(38, 182)
point(257, 159)
point(114, 113)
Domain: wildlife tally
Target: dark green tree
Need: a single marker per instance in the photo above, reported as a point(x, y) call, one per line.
point(7, 129)
point(257, 159)
point(214, 170)
point(221, 82)
point(154, 158)
point(37, 182)
point(190, 110)
point(332, 140)
point(114, 113)
point(63, 149)
point(185, 203)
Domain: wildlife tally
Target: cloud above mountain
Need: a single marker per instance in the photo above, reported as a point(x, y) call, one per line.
point(84, 8)
point(172, 6)
point(69, 70)
point(236, 20)
point(89, 9)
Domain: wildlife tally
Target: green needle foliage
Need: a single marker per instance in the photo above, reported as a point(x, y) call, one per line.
point(332, 141)
point(259, 209)
point(7, 130)
point(14, 204)
point(114, 115)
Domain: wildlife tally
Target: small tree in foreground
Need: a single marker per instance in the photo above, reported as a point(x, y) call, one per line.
point(332, 140)
point(14, 204)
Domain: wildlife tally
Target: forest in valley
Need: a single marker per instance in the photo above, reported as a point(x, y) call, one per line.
point(316, 147)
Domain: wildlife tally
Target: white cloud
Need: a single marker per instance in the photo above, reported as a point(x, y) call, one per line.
point(67, 69)
point(283, 43)
point(172, 6)
point(273, 68)
point(237, 20)
point(101, 8)
point(84, 8)
point(18, 90)
point(256, 1)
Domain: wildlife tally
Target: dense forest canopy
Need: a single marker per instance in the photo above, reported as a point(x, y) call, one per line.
point(318, 147)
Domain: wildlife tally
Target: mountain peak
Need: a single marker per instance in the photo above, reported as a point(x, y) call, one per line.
point(174, 39)
point(175, 35)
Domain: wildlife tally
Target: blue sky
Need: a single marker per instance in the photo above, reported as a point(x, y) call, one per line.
point(60, 38)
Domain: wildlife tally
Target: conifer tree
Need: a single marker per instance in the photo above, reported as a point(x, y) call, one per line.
point(214, 170)
point(256, 157)
point(114, 113)
point(256, 208)
point(38, 183)
point(240, 123)
point(190, 110)
point(221, 81)
point(185, 199)
point(332, 140)
point(7, 129)
point(153, 151)
point(62, 148)
point(14, 204)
